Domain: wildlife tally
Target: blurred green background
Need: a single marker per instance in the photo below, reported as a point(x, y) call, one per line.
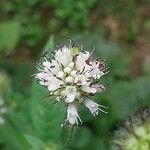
point(120, 32)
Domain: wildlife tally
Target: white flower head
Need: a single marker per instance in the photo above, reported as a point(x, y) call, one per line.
point(3, 110)
point(71, 77)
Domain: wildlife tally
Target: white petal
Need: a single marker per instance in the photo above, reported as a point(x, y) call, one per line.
point(43, 83)
point(92, 106)
point(63, 56)
point(56, 69)
point(52, 87)
point(80, 79)
point(99, 87)
point(53, 67)
point(40, 75)
point(46, 64)
point(95, 71)
point(85, 88)
point(54, 84)
point(81, 60)
point(93, 90)
point(88, 88)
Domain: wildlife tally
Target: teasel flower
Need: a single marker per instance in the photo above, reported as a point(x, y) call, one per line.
point(3, 110)
point(72, 78)
point(134, 134)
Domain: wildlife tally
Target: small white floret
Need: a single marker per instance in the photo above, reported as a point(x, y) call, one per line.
point(93, 106)
point(72, 114)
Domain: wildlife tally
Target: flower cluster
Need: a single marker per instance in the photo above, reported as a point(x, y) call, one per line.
point(3, 110)
point(72, 77)
point(135, 133)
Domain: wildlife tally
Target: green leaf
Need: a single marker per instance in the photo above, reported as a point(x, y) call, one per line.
point(9, 35)
point(46, 116)
point(36, 143)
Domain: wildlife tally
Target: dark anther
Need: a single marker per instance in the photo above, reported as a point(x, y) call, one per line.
point(52, 66)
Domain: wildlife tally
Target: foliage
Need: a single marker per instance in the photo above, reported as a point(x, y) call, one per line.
point(71, 13)
point(9, 36)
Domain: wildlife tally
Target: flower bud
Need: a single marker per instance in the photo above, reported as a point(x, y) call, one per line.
point(56, 93)
point(135, 133)
point(62, 92)
point(74, 51)
point(67, 70)
point(78, 95)
point(69, 79)
point(71, 65)
point(73, 73)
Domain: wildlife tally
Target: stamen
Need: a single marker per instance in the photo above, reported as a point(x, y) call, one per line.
point(90, 70)
point(103, 106)
point(92, 51)
point(102, 87)
point(70, 43)
point(44, 54)
point(65, 122)
point(32, 75)
point(106, 73)
point(81, 49)
point(88, 61)
point(102, 110)
point(97, 59)
point(82, 70)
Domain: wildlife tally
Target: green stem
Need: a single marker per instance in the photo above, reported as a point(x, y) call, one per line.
point(70, 136)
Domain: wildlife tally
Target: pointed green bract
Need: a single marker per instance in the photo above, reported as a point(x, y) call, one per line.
point(74, 51)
